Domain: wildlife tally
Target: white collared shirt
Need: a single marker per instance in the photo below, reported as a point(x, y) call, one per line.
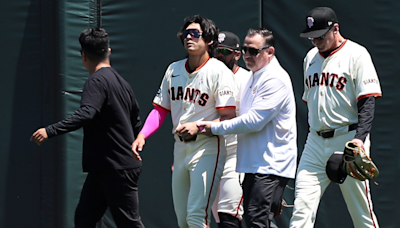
point(266, 127)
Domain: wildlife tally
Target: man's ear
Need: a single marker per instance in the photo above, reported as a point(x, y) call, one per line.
point(211, 42)
point(238, 54)
point(271, 50)
point(83, 56)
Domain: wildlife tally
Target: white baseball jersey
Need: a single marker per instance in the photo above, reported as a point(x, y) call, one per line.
point(241, 78)
point(196, 96)
point(198, 165)
point(333, 85)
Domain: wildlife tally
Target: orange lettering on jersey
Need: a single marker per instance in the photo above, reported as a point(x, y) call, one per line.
point(196, 93)
point(371, 80)
point(327, 79)
point(203, 99)
point(189, 92)
point(333, 76)
point(324, 79)
point(341, 83)
point(307, 82)
point(315, 80)
point(172, 93)
point(225, 92)
point(179, 95)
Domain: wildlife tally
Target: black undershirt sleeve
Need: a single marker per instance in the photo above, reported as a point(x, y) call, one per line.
point(366, 109)
point(73, 122)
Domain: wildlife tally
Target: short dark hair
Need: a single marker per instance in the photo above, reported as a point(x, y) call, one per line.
point(95, 43)
point(210, 31)
point(268, 36)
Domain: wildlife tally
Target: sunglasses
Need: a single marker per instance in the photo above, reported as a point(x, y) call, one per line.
point(193, 33)
point(317, 38)
point(320, 37)
point(223, 51)
point(253, 51)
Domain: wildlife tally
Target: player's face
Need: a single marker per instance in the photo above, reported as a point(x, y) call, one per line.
point(256, 60)
point(193, 41)
point(325, 44)
point(227, 56)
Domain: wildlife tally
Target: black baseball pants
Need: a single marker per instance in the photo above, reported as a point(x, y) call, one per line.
point(116, 189)
point(262, 197)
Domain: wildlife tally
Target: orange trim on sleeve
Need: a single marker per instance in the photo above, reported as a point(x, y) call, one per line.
point(376, 95)
point(226, 107)
point(305, 102)
point(154, 104)
point(198, 68)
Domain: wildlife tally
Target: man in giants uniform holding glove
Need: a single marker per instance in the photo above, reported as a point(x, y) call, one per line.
point(340, 88)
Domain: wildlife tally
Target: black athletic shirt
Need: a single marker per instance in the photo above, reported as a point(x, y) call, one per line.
point(109, 115)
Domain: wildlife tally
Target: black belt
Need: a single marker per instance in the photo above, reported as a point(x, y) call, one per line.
point(189, 139)
point(331, 132)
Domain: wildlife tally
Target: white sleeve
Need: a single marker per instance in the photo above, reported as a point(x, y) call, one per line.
point(162, 97)
point(366, 78)
point(266, 105)
point(225, 90)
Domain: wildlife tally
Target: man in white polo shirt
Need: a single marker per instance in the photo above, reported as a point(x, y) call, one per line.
point(266, 128)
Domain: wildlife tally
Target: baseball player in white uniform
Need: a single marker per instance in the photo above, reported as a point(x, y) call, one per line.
point(193, 89)
point(340, 88)
point(228, 205)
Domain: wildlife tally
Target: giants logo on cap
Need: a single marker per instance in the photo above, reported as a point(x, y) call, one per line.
point(221, 37)
point(310, 22)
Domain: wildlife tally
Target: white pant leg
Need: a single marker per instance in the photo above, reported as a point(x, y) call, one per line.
point(230, 192)
point(358, 199)
point(205, 170)
point(311, 183)
point(355, 193)
point(180, 184)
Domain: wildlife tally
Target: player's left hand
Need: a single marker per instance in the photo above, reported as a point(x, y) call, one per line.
point(39, 136)
point(359, 143)
point(187, 130)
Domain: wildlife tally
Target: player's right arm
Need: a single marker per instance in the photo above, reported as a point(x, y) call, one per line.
point(153, 122)
point(155, 118)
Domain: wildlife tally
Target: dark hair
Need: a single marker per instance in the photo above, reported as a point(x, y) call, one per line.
point(210, 31)
point(94, 43)
point(269, 38)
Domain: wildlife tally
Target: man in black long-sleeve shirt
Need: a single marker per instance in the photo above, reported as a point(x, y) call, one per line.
point(109, 115)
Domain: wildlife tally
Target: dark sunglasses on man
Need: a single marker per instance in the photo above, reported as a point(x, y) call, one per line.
point(223, 51)
point(193, 33)
point(321, 37)
point(253, 51)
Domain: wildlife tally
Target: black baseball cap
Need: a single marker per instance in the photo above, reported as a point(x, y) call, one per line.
point(229, 40)
point(335, 168)
point(318, 21)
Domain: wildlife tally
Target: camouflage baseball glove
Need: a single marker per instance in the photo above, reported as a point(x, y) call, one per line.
point(357, 164)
